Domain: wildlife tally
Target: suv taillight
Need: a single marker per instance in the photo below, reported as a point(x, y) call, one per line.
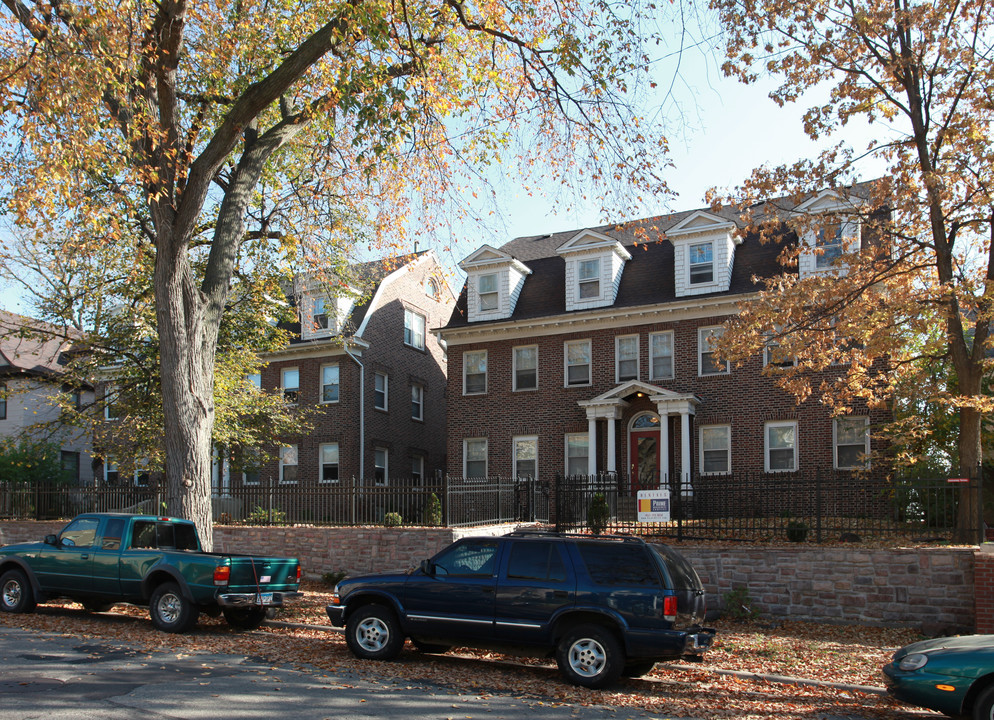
point(669, 607)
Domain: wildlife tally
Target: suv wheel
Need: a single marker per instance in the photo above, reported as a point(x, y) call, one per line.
point(373, 633)
point(15, 593)
point(591, 656)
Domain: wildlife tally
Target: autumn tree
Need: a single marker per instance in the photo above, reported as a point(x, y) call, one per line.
point(179, 116)
point(914, 248)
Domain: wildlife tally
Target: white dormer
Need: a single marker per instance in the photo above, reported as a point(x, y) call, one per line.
point(703, 253)
point(594, 263)
point(321, 313)
point(828, 226)
point(493, 283)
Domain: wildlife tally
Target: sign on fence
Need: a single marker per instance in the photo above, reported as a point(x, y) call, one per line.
point(654, 505)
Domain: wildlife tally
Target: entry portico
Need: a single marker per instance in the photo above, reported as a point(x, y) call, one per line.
point(611, 407)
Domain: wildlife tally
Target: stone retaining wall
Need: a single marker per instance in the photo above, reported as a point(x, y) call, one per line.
point(933, 588)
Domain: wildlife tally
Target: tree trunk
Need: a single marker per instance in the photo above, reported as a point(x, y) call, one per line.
point(969, 520)
point(187, 342)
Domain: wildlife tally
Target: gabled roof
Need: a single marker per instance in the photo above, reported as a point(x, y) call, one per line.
point(31, 346)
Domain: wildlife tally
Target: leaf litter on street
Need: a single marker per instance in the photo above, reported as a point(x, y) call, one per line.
point(715, 687)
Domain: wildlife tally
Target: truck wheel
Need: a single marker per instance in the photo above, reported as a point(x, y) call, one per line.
point(170, 611)
point(247, 618)
point(373, 633)
point(15, 593)
point(590, 656)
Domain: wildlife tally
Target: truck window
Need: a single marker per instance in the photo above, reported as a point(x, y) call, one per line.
point(81, 532)
point(536, 561)
point(112, 534)
point(143, 534)
point(175, 536)
point(621, 564)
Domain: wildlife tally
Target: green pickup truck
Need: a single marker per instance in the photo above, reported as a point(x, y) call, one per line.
point(100, 559)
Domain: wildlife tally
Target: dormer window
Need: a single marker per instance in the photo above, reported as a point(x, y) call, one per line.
point(488, 293)
point(701, 263)
point(319, 317)
point(589, 277)
point(829, 245)
point(829, 227)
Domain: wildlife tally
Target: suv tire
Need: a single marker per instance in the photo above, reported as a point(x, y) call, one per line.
point(590, 656)
point(373, 633)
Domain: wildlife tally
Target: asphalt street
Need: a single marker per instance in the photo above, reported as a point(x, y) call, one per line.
point(60, 678)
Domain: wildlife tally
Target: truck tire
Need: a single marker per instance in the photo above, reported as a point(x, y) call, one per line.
point(245, 618)
point(170, 611)
point(373, 633)
point(16, 595)
point(590, 656)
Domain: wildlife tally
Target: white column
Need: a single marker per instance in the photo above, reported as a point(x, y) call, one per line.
point(591, 446)
point(685, 447)
point(612, 459)
point(664, 448)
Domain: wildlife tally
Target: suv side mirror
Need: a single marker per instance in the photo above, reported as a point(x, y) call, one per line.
point(427, 567)
point(52, 540)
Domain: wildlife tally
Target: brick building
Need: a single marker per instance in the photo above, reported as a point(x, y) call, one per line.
point(368, 361)
point(589, 351)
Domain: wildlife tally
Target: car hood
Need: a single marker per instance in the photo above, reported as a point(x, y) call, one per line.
point(22, 548)
point(964, 655)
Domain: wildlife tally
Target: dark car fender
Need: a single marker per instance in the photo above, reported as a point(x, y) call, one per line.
point(156, 575)
point(579, 614)
point(366, 596)
point(12, 561)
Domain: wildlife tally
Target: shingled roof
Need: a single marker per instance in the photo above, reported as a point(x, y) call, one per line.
point(29, 346)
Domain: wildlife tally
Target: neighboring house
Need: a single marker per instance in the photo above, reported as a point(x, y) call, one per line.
point(32, 361)
point(367, 359)
point(589, 351)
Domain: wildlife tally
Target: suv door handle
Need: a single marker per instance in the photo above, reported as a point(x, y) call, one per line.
point(560, 593)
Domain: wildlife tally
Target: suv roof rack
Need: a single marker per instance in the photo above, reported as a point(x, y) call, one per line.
point(530, 532)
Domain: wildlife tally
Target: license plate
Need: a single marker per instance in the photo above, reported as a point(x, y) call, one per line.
point(265, 598)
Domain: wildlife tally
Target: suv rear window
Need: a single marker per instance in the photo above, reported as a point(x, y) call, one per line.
point(681, 571)
point(618, 563)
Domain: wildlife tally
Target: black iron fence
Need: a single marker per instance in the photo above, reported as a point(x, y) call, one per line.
point(758, 507)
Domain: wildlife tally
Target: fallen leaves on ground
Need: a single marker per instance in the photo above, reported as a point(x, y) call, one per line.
point(842, 654)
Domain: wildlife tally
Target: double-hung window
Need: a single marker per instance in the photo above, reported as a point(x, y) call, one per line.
point(112, 397)
point(3, 401)
point(716, 449)
point(291, 385)
point(417, 401)
point(526, 368)
point(626, 357)
point(329, 462)
point(475, 457)
point(709, 364)
point(417, 469)
point(828, 245)
point(589, 278)
point(661, 355)
point(414, 329)
point(781, 446)
point(474, 368)
point(380, 460)
point(380, 387)
point(329, 383)
point(852, 442)
point(578, 362)
point(319, 317)
point(488, 292)
point(577, 454)
point(526, 457)
point(701, 262)
point(288, 464)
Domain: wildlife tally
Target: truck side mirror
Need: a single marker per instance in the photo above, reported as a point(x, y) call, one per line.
point(427, 567)
point(52, 540)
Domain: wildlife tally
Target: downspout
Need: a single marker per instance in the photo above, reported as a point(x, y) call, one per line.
point(362, 410)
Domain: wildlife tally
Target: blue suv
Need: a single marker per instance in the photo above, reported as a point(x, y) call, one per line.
point(605, 607)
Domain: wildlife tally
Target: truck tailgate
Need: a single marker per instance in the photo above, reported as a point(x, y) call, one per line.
point(250, 574)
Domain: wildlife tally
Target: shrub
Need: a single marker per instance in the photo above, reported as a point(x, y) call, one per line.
point(28, 461)
point(598, 514)
point(738, 604)
point(331, 579)
point(797, 531)
point(261, 516)
point(433, 514)
point(392, 519)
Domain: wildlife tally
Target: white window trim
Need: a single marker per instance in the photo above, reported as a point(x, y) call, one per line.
point(421, 405)
point(617, 357)
point(514, 452)
point(700, 445)
point(283, 464)
point(767, 448)
point(415, 316)
point(420, 460)
point(702, 334)
point(321, 480)
point(590, 363)
point(284, 388)
point(386, 391)
point(690, 265)
point(566, 451)
point(323, 383)
point(495, 292)
point(866, 443)
point(514, 368)
point(465, 457)
point(486, 373)
point(672, 356)
point(768, 360)
point(386, 466)
point(598, 278)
